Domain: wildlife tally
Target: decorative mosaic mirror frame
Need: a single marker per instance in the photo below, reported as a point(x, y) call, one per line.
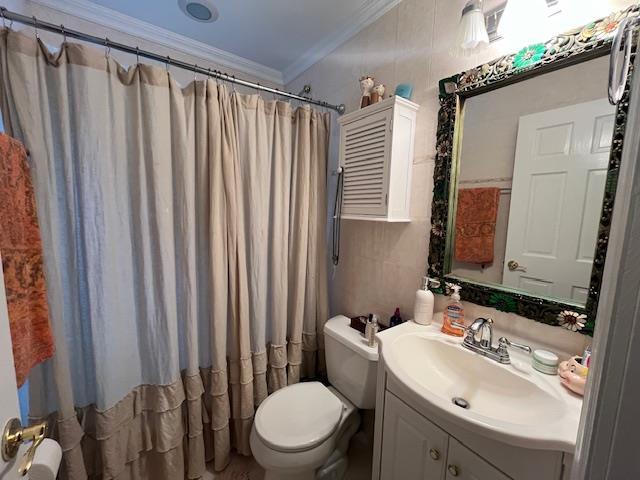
point(579, 45)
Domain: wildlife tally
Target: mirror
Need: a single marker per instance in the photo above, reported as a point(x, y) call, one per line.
point(532, 166)
point(526, 169)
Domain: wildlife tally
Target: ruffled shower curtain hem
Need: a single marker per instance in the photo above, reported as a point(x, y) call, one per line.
point(172, 431)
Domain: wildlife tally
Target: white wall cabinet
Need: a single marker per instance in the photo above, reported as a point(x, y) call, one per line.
point(376, 155)
point(413, 448)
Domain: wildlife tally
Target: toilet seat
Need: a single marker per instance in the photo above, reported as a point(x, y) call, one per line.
point(298, 417)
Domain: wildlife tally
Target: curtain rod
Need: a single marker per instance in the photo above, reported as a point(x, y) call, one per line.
point(167, 60)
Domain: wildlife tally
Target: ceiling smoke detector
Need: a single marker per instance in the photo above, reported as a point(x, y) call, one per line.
point(200, 10)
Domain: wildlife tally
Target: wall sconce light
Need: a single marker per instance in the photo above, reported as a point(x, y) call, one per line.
point(472, 29)
point(522, 22)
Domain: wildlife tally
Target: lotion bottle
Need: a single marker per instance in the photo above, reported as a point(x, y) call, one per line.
point(371, 330)
point(453, 314)
point(423, 306)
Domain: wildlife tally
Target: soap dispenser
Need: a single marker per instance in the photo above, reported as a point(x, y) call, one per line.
point(423, 306)
point(453, 314)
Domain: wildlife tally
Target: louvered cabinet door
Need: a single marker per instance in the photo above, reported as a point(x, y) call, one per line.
point(365, 150)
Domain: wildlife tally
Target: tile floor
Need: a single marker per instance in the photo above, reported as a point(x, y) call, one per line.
point(240, 468)
point(246, 468)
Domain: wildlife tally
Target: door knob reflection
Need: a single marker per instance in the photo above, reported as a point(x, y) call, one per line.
point(515, 266)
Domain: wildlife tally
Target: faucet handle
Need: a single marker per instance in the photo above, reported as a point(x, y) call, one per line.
point(504, 342)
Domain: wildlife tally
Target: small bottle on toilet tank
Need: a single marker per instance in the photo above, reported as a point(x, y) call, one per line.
point(395, 319)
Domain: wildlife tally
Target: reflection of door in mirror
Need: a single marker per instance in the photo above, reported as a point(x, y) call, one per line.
point(558, 184)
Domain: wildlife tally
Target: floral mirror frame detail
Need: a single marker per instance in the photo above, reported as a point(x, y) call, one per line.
point(578, 45)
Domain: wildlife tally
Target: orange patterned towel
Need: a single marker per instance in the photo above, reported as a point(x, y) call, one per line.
point(21, 251)
point(476, 224)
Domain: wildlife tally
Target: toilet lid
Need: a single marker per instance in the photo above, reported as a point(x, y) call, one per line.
point(298, 417)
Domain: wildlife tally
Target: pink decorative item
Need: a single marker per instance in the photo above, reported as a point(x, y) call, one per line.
point(573, 375)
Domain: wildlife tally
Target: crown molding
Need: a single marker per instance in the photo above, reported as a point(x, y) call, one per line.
point(112, 19)
point(124, 23)
point(372, 11)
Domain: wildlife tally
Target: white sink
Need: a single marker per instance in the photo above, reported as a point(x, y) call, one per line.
point(519, 406)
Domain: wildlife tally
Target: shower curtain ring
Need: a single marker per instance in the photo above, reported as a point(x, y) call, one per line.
point(107, 48)
point(195, 72)
point(35, 27)
point(137, 55)
point(166, 62)
point(4, 10)
point(64, 33)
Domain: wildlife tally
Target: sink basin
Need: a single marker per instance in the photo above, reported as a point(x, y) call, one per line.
point(450, 371)
point(516, 405)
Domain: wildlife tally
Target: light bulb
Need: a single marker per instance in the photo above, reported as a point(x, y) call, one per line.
point(472, 30)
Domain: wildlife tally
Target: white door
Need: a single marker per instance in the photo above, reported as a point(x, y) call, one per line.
point(463, 464)
point(558, 186)
point(413, 448)
point(9, 407)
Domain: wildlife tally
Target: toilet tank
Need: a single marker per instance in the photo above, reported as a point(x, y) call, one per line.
point(351, 363)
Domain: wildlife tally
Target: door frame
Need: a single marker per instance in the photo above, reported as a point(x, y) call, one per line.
point(9, 405)
point(607, 438)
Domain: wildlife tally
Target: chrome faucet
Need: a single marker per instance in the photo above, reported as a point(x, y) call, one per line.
point(480, 332)
point(479, 338)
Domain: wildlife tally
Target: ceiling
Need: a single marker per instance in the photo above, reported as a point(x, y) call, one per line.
point(285, 35)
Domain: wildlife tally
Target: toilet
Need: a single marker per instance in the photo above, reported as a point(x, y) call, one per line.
point(302, 432)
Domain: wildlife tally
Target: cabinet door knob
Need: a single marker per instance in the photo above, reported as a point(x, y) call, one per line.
point(435, 454)
point(453, 470)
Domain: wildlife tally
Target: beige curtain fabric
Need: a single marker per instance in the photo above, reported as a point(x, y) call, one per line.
point(184, 240)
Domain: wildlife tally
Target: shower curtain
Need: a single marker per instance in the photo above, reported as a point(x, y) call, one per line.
point(184, 244)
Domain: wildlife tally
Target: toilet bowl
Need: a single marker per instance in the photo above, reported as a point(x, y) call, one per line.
point(302, 432)
point(301, 429)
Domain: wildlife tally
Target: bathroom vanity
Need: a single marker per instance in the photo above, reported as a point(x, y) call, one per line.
point(445, 412)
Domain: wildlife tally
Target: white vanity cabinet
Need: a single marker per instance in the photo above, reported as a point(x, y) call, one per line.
point(514, 423)
point(413, 448)
point(412, 444)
